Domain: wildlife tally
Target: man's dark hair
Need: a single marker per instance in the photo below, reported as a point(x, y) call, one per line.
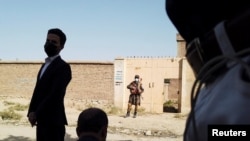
point(59, 33)
point(92, 120)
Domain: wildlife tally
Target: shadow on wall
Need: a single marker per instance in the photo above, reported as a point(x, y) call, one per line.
point(21, 138)
point(170, 110)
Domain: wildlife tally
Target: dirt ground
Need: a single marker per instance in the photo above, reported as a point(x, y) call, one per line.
point(146, 127)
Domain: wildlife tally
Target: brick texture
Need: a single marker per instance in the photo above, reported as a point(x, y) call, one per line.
point(91, 81)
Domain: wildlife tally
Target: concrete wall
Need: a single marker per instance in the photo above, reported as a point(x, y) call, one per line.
point(186, 86)
point(186, 76)
point(181, 46)
point(153, 72)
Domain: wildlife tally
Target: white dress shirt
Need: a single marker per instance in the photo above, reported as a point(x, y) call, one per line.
point(48, 61)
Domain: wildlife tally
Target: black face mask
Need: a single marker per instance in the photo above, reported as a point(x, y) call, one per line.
point(50, 49)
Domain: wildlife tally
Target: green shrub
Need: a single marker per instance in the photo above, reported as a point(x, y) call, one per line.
point(169, 103)
point(10, 115)
point(6, 103)
point(179, 115)
point(169, 106)
point(141, 109)
point(114, 110)
point(18, 107)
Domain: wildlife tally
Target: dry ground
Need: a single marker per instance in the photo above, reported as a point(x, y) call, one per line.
point(146, 127)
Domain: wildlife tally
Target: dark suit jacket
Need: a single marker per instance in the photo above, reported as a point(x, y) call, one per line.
point(48, 97)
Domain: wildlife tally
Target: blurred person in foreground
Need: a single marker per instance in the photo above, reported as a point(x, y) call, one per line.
point(46, 110)
point(92, 125)
point(217, 35)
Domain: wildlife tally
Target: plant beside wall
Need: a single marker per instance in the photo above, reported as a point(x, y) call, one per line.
point(169, 106)
point(10, 113)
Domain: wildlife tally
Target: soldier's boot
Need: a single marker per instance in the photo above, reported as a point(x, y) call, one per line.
point(135, 115)
point(127, 115)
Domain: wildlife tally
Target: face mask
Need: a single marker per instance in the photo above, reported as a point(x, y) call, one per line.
point(50, 49)
point(137, 79)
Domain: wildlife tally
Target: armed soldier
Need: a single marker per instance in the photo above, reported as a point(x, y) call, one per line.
point(136, 90)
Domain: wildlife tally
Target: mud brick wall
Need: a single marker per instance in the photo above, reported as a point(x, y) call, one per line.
point(18, 79)
point(90, 80)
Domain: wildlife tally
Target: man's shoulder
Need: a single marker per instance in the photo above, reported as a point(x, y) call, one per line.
point(62, 61)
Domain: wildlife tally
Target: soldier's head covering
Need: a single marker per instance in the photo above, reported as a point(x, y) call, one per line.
point(137, 76)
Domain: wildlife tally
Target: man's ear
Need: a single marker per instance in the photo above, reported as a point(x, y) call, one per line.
point(104, 131)
point(77, 132)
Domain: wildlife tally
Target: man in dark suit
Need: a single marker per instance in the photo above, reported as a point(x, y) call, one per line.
point(47, 111)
